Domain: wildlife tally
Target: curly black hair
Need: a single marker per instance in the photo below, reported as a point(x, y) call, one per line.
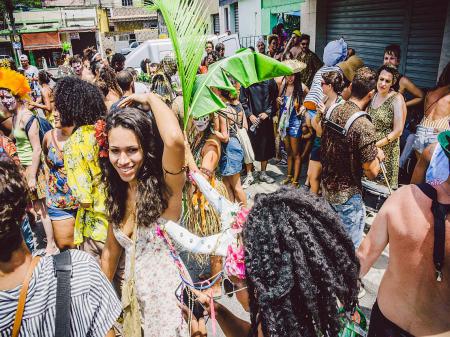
point(13, 202)
point(78, 102)
point(152, 192)
point(299, 261)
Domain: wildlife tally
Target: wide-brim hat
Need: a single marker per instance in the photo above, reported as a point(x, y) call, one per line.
point(296, 65)
point(350, 66)
point(444, 140)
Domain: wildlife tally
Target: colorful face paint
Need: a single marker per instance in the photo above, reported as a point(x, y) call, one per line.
point(201, 123)
point(8, 100)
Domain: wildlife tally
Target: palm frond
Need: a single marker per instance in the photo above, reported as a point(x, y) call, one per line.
point(187, 25)
point(245, 66)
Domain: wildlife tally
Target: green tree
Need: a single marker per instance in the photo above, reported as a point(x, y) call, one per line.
point(7, 7)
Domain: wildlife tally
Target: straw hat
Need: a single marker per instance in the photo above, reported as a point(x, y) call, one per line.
point(350, 66)
point(296, 65)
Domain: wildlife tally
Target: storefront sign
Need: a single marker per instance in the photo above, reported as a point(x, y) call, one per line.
point(17, 45)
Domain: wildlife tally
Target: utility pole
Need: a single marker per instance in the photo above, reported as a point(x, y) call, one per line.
point(13, 36)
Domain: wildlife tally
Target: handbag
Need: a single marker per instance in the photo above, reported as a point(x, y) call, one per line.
point(23, 296)
point(249, 155)
point(130, 304)
point(352, 325)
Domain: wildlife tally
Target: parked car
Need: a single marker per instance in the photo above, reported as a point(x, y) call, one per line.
point(155, 50)
point(130, 48)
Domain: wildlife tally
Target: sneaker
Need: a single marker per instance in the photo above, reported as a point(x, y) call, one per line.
point(282, 162)
point(248, 181)
point(265, 178)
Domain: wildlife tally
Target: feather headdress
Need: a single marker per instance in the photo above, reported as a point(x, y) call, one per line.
point(15, 82)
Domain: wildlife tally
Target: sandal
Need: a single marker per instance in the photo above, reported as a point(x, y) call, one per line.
point(295, 184)
point(287, 180)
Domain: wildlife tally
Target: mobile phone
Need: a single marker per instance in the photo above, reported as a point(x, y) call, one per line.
point(189, 298)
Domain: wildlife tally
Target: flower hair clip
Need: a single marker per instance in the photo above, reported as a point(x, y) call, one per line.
point(102, 138)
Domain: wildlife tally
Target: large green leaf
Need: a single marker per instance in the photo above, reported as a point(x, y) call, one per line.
point(187, 23)
point(245, 66)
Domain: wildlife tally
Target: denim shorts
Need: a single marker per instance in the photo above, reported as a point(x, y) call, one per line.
point(315, 150)
point(57, 214)
point(424, 137)
point(232, 157)
point(294, 129)
point(353, 217)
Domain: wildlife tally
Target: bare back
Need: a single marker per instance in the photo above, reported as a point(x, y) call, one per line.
point(437, 103)
point(409, 294)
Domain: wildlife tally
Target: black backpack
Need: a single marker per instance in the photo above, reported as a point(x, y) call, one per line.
point(43, 125)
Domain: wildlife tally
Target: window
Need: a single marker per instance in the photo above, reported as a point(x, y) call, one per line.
point(227, 20)
point(127, 3)
point(216, 23)
point(236, 17)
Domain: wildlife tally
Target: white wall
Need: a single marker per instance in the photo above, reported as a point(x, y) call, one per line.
point(249, 18)
point(308, 23)
point(71, 16)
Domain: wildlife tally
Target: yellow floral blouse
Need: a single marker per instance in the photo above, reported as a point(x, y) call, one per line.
point(81, 161)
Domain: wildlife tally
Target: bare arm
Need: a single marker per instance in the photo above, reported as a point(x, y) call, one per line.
point(407, 85)
point(223, 133)
point(33, 136)
point(420, 170)
point(376, 240)
point(45, 100)
point(110, 254)
point(399, 122)
point(372, 168)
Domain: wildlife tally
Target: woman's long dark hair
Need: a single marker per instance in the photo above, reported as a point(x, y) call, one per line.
point(299, 260)
point(152, 191)
point(297, 93)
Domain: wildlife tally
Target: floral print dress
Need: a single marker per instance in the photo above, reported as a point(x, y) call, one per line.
point(59, 194)
point(156, 279)
point(81, 160)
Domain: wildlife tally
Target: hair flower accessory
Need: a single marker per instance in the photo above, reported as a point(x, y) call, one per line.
point(235, 263)
point(101, 137)
point(239, 220)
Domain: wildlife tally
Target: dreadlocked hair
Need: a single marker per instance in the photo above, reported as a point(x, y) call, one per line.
point(108, 77)
point(152, 192)
point(299, 261)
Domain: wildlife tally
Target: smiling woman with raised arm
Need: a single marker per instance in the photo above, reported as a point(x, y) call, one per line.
point(144, 175)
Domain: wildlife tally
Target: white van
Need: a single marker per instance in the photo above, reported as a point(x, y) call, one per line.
point(155, 50)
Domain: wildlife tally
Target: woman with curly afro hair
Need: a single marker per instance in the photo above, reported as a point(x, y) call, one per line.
point(80, 104)
point(300, 264)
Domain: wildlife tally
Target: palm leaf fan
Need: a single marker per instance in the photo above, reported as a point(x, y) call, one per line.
point(187, 24)
point(245, 66)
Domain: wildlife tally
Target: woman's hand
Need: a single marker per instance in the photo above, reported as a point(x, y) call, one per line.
point(321, 108)
point(198, 327)
point(280, 100)
point(134, 99)
point(31, 180)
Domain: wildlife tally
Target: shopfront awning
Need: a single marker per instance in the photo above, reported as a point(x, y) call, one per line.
point(37, 41)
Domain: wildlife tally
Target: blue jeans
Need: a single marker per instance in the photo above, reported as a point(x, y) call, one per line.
point(353, 217)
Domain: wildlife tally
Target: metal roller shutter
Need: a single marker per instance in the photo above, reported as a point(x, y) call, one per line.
point(369, 26)
point(425, 41)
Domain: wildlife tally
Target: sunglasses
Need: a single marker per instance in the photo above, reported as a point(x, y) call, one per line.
point(304, 44)
point(228, 288)
point(323, 83)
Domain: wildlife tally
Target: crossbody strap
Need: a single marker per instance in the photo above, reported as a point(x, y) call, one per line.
point(439, 212)
point(62, 264)
point(23, 297)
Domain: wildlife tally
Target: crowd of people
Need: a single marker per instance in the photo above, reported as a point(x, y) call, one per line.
point(100, 156)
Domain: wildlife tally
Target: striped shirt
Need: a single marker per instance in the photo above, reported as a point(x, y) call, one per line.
point(94, 308)
point(315, 94)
